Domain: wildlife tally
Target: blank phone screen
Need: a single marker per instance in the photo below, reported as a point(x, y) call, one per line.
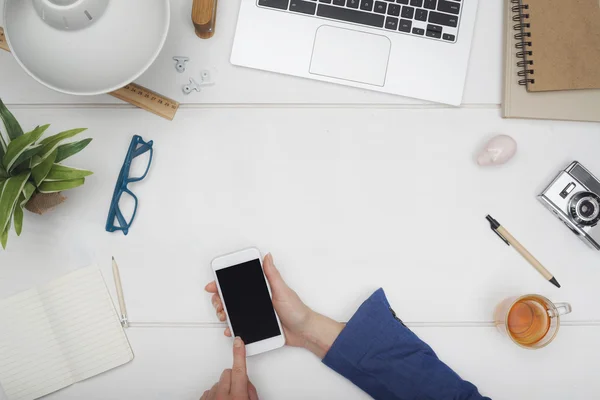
point(248, 302)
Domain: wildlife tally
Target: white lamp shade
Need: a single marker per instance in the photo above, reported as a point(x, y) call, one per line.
point(70, 15)
point(104, 55)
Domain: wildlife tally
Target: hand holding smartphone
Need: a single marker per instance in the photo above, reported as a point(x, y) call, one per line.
point(246, 297)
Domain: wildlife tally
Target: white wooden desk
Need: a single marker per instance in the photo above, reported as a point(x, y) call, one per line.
point(350, 190)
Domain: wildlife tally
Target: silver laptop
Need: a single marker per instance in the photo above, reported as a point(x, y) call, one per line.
point(414, 48)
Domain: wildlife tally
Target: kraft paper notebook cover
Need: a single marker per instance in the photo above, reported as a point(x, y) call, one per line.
point(560, 43)
point(58, 334)
point(573, 105)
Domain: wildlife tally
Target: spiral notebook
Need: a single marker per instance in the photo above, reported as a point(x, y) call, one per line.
point(559, 44)
point(572, 105)
point(58, 334)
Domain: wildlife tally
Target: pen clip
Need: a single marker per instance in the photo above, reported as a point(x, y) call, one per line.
point(501, 237)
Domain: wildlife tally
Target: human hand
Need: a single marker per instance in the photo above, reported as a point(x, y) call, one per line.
point(293, 313)
point(302, 326)
point(234, 383)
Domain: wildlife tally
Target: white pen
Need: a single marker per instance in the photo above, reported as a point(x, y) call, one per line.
point(117, 277)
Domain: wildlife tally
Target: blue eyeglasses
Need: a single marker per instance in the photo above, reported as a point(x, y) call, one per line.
point(116, 221)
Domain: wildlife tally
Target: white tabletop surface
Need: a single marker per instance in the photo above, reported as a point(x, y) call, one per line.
point(350, 191)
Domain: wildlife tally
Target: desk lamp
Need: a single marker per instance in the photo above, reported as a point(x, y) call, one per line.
point(86, 47)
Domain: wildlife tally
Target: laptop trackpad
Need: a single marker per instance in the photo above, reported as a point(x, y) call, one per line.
point(350, 55)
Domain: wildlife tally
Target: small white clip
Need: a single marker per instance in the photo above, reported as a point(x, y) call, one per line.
point(206, 78)
point(180, 63)
point(193, 85)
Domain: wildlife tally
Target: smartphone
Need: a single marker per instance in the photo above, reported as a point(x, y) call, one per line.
point(246, 297)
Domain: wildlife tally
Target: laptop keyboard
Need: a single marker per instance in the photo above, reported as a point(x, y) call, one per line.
point(433, 19)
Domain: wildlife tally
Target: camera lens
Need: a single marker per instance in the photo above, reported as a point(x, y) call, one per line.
point(585, 208)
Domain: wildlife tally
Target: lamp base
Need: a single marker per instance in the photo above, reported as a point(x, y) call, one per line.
point(70, 15)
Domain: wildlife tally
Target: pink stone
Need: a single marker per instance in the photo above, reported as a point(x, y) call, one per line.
point(497, 151)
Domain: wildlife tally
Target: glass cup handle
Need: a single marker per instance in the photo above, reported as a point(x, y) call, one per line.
point(563, 308)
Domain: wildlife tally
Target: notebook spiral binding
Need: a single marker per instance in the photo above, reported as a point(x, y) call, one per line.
point(523, 46)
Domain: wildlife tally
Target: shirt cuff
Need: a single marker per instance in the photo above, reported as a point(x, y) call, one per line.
point(371, 320)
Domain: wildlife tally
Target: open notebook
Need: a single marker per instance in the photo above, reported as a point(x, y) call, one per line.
point(58, 334)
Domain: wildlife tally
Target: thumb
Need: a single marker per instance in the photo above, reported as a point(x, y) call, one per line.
point(252, 393)
point(278, 285)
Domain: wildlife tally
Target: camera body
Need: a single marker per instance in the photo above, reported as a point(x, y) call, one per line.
point(574, 197)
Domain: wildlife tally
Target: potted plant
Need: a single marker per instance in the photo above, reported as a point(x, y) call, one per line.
point(31, 174)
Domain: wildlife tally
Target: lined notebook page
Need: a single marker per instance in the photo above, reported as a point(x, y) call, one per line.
point(59, 334)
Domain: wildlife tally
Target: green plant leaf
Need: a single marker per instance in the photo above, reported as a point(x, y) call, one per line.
point(21, 144)
point(13, 128)
point(3, 174)
point(52, 142)
point(40, 171)
point(27, 155)
point(4, 236)
point(11, 190)
point(3, 145)
point(26, 194)
point(28, 191)
point(62, 135)
point(18, 215)
point(3, 233)
point(35, 160)
point(60, 186)
point(63, 173)
point(67, 150)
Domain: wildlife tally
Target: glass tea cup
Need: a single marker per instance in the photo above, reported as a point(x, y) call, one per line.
point(531, 321)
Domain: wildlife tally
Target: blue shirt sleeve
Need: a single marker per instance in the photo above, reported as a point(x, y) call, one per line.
point(379, 354)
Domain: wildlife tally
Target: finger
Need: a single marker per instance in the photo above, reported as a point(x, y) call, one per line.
point(204, 395)
point(227, 332)
point(211, 287)
point(252, 392)
point(221, 316)
point(224, 386)
point(212, 395)
point(239, 377)
point(277, 283)
point(216, 302)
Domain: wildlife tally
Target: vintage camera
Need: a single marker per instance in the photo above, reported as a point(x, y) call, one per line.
point(574, 197)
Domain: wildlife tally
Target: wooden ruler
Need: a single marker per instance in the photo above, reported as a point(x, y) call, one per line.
point(134, 94)
point(148, 100)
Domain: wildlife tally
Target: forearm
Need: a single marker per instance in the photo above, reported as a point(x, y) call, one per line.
point(320, 334)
